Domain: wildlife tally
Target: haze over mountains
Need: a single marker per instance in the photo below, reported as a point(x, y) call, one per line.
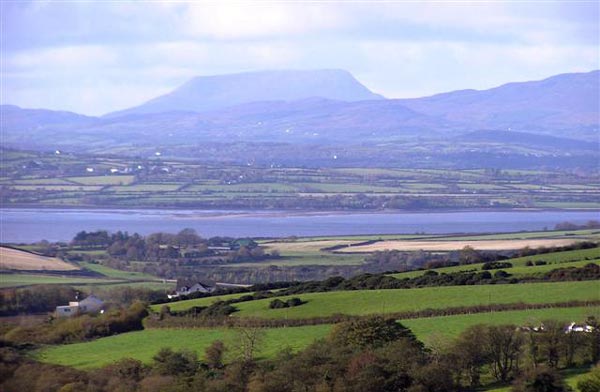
point(205, 93)
point(323, 107)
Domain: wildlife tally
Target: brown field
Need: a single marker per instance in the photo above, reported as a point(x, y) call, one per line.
point(305, 246)
point(457, 245)
point(19, 260)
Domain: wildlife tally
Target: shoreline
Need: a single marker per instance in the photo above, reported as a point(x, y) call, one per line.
point(199, 214)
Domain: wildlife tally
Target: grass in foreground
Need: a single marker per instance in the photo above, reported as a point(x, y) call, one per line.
point(143, 345)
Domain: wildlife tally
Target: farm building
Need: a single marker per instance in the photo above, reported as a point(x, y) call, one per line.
point(91, 304)
point(195, 288)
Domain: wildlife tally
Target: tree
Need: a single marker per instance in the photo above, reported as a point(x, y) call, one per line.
point(214, 354)
point(468, 255)
point(594, 338)
point(503, 344)
point(373, 331)
point(470, 353)
point(551, 342)
point(168, 362)
point(248, 340)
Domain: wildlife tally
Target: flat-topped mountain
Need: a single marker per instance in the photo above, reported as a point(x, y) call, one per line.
point(206, 93)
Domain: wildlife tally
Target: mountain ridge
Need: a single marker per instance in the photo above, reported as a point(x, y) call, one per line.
point(564, 105)
point(207, 93)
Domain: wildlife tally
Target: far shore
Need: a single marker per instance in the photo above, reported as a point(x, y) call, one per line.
point(198, 214)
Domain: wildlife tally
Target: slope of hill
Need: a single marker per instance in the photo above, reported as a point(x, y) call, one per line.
point(559, 102)
point(206, 93)
point(19, 119)
point(25, 261)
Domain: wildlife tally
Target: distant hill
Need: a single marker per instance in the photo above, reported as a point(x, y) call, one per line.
point(563, 102)
point(330, 109)
point(206, 93)
point(19, 119)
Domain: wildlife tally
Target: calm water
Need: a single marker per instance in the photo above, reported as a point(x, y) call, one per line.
point(29, 225)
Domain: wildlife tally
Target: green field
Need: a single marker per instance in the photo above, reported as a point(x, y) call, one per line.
point(362, 302)
point(572, 258)
point(17, 280)
point(115, 273)
point(143, 345)
point(430, 329)
point(185, 182)
point(112, 278)
point(103, 180)
point(189, 303)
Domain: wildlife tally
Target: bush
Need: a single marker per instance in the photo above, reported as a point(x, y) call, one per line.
point(501, 274)
point(591, 383)
point(277, 304)
point(294, 302)
point(496, 265)
point(541, 379)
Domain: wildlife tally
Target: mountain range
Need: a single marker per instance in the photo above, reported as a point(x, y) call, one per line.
point(319, 106)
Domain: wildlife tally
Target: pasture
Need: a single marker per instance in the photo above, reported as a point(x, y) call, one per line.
point(431, 329)
point(122, 182)
point(364, 302)
point(571, 258)
point(20, 280)
point(14, 259)
point(142, 345)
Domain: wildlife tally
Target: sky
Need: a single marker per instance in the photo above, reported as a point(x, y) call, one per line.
point(100, 56)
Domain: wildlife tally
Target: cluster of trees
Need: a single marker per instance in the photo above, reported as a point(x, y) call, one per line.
point(80, 328)
point(363, 355)
point(171, 255)
point(34, 299)
point(592, 224)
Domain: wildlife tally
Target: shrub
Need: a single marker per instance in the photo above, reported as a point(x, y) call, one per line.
point(496, 265)
point(277, 304)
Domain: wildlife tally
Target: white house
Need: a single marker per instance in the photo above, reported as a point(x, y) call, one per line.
point(91, 304)
point(579, 328)
point(195, 288)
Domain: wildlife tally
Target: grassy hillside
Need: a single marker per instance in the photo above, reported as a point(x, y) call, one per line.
point(381, 301)
point(430, 329)
point(18, 280)
point(188, 303)
point(143, 345)
point(572, 258)
point(110, 278)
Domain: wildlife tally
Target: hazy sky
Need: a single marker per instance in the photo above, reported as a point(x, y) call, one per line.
point(95, 57)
